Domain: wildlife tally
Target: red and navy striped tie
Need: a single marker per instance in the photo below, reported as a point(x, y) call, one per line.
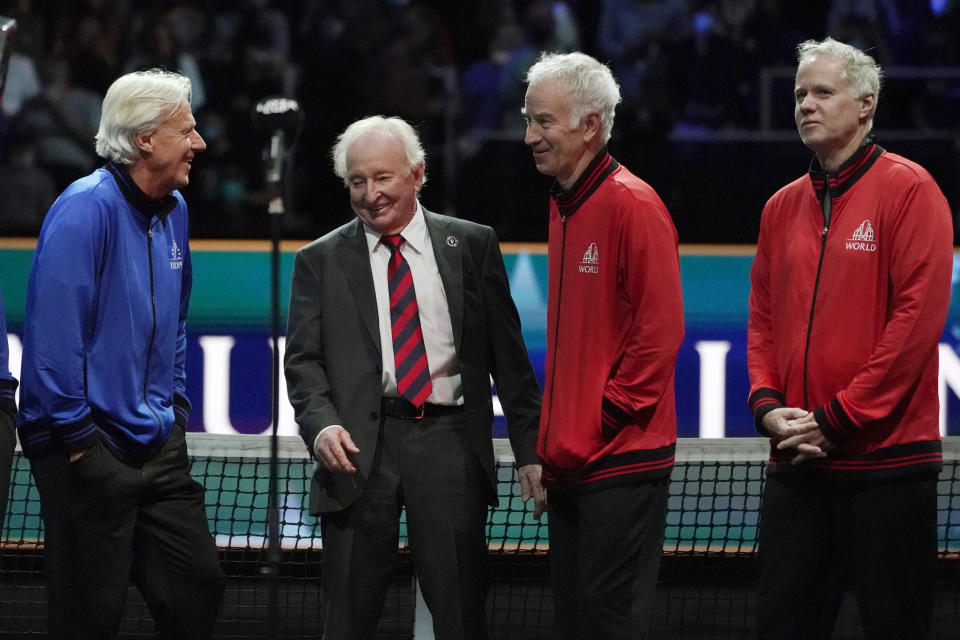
point(409, 353)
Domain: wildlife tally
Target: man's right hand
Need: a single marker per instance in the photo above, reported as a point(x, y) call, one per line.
point(333, 448)
point(776, 421)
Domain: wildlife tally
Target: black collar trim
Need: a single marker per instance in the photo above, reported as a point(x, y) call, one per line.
point(590, 180)
point(136, 197)
point(848, 174)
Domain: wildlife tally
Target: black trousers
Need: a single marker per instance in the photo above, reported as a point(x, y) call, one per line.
point(429, 467)
point(817, 535)
point(107, 523)
point(8, 442)
point(605, 550)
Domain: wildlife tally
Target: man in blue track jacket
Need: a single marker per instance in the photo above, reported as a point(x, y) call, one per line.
point(103, 398)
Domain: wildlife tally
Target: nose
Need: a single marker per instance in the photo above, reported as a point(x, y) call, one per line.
point(532, 134)
point(370, 190)
point(806, 104)
point(197, 143)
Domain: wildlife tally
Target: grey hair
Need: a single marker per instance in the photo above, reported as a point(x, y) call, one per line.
point(860, 70)
point(396, 128)
point(137, 104)
point(591, 83)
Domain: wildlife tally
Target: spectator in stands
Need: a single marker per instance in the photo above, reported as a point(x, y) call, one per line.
point(8, 412)
point(608, 427)
point(28, 190)
point(850, 289)
point(22, 84)
point(103, 407)
point(860, 23)
point(163, 50)
point(405, 421)
point(636, 35)
point(63, 120)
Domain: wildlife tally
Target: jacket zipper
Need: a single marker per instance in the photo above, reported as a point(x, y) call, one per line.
point(153, 331)
point(813, 302)
point(556, 328)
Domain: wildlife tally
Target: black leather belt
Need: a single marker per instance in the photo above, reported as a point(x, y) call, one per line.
point(401, 408)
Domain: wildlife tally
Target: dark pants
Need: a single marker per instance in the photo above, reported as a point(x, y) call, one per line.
point(8, 441)
point(431, 468)
point(605, 550)
point(816, 535)
point(107, 523)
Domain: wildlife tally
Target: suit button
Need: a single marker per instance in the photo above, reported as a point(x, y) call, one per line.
point(373, 415)
point(379, 369)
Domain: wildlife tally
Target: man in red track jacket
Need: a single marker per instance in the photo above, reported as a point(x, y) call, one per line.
point(851, 284)
point(615, 323)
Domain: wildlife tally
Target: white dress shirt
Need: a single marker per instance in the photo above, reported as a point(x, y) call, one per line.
point(432, 303)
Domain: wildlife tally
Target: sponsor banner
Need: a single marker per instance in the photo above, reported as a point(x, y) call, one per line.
point(229, 353)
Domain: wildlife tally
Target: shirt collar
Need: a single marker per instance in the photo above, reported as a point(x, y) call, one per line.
point(568, 201)
point(136, 197)
point(847, 175)
point(414, 234)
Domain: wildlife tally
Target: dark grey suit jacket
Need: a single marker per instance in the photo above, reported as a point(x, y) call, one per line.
point(333, 363)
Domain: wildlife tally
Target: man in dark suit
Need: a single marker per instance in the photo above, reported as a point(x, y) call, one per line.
point(397, 321)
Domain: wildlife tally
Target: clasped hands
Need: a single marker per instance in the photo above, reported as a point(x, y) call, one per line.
point(794, 428)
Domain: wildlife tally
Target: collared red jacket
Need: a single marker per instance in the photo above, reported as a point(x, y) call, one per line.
point(845, 317)
point(104, 339)
point(615, 324)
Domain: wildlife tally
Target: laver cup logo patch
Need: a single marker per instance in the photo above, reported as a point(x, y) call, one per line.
point(176, 257)
point(591, 260)
point(862, 238)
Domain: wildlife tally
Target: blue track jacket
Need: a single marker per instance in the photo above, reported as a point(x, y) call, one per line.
point(104, 337)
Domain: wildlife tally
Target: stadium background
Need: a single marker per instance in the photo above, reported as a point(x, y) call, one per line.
point(706, 116)
point(706, 120)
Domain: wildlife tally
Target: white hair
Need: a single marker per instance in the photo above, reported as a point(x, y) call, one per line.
point(396, 128)
point(860, 70)
point(591, 84)
point(137, 104)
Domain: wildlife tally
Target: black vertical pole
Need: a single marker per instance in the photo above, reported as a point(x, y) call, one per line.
point(279, 118)
point(273, 557)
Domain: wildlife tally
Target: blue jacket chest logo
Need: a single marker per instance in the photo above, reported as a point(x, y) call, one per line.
point(176, 257)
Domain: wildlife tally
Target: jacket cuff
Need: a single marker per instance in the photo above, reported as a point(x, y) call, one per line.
point(8, 389)
point(834, 422)
point(763, 401)
point(181, 411)
point(613, 417)
point(78, 436)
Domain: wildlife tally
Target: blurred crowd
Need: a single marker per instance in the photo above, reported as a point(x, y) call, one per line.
point(454, 69)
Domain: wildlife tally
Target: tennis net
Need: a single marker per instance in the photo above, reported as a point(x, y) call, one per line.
point(706, 587)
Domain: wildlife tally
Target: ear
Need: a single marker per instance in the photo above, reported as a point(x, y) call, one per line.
point(592, 126)
point(869, 104)
point(418, 172)
point(144, 142)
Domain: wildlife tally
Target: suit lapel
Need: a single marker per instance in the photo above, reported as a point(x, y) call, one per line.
point(447, 248)
point(355, 260)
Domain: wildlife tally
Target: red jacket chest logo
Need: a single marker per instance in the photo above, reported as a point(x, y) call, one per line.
point(862, 239)
point(590, 263)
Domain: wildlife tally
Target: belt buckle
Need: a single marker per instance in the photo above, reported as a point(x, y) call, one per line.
point(419, 415)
